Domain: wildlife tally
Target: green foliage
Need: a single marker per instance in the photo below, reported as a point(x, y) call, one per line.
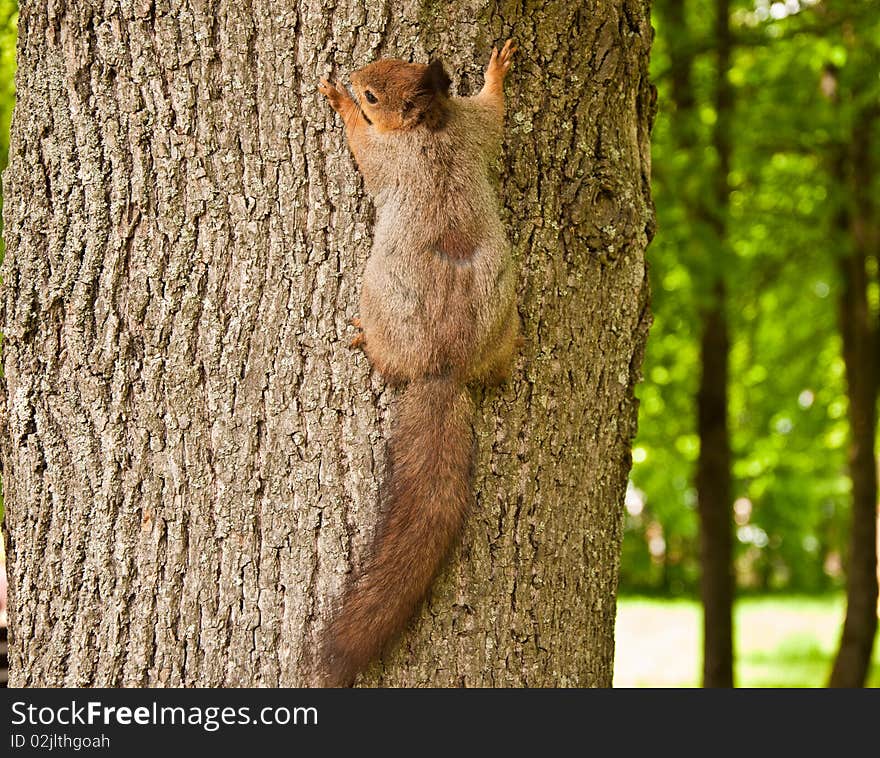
point(8, 35)
point(8, 31)
point(787, 403)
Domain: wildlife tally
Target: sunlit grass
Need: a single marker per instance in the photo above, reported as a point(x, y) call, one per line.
point(780, 642)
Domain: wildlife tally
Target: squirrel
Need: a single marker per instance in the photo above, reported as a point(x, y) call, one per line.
point(437, 313)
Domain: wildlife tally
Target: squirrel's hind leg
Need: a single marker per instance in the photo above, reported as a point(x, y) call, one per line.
point(497, 367)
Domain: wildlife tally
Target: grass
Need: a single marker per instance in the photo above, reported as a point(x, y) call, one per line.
point(779, 642)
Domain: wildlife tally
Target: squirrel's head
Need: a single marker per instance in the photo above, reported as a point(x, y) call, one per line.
point(394, 94)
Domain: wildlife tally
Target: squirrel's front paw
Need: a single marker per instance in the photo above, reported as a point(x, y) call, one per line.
point(499, 63)
point(337, 96)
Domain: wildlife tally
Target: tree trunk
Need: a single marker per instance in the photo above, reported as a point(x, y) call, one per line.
point(713, 498)
point(713, 475)
point(713, 467)
point(191, 454)
point(857, 326)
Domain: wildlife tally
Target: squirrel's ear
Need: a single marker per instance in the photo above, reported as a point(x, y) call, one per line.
point(435, 78)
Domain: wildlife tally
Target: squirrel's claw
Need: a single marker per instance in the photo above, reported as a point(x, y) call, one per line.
point(505, 58)
point(500, 62)
point(334, 93)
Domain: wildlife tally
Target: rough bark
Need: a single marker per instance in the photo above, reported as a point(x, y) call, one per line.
point(852, 170)
point(191, 455)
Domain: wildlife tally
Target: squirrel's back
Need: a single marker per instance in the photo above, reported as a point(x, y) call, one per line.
point(438, 312)
point(439, 177)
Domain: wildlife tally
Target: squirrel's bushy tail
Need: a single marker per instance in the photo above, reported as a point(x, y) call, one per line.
point(428, 492)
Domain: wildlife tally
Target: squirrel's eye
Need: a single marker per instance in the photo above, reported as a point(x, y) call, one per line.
point(371, 98)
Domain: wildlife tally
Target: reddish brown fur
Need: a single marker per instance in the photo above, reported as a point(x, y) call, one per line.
point(411, 94)
point(457, 244)
point(438, 311)
point(429, 459)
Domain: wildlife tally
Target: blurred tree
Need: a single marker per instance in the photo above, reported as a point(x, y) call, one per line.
point(788, 395)
point(704, 207)
point(713, 478)
point(8, 22)
point(787, 399)
point(8, 32)
point(852, 164)
point(8, 35)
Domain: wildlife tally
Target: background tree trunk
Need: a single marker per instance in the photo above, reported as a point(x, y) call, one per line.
point(714, 464)
point(713, 474)
point(191, 455)
point(852, 171)
point(713, 496)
